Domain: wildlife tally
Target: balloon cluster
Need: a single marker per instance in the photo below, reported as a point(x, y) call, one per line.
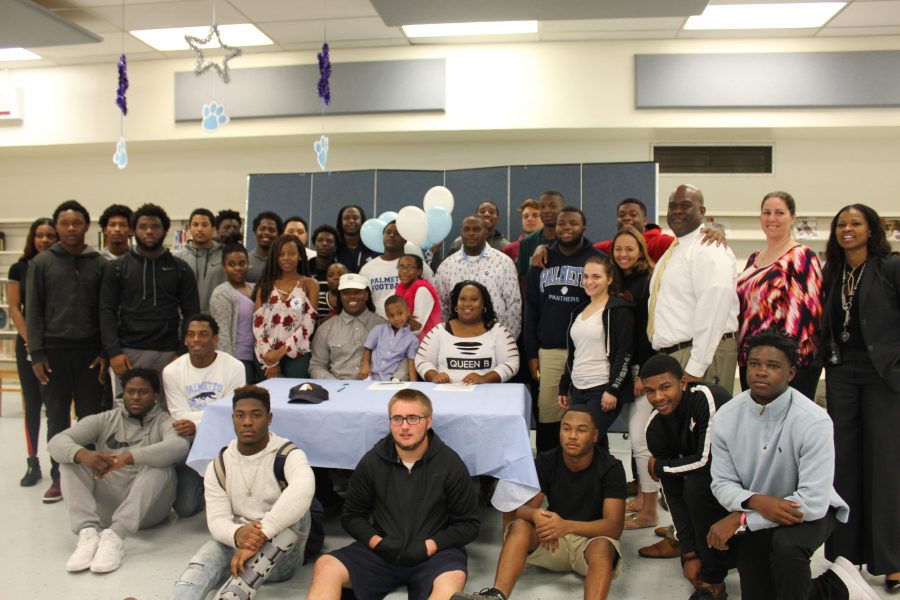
point(420, 227)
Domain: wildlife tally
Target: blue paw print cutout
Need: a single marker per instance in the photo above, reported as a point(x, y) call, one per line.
point(120, 157)
point(321, 148)
point(214, 116)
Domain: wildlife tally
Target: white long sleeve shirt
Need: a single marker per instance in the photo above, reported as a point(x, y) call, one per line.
point(229, 509)
point(697, 300)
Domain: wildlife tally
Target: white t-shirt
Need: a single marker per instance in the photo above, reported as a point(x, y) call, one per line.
point(590, 367)
point(189, 389)
point(383, 280)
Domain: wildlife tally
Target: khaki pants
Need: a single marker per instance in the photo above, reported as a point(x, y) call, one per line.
point(553, 363)
point(722, 369)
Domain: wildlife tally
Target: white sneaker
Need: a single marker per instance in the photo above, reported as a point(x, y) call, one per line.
point(109, 554)
point(88, 539)
point(857, 588)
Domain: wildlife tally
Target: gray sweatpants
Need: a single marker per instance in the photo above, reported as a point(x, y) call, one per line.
point(125, 500)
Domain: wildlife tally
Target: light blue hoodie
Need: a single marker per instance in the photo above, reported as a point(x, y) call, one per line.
point(784, 449)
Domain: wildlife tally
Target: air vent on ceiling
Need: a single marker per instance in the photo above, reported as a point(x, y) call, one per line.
point(713, 159)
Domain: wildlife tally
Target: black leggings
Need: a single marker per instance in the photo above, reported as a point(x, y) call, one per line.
point(32, 397)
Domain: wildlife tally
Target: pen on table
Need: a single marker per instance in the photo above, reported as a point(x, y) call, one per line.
point(341, 389)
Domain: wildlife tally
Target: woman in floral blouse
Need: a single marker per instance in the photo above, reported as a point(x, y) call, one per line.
point(284, 319)
point(781, 288)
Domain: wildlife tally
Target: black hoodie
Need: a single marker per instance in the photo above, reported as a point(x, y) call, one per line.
point(61, 301)
point(143, 300)
point(618, 325)
point(434, 500)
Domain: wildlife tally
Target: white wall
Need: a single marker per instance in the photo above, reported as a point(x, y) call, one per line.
point(506, 104)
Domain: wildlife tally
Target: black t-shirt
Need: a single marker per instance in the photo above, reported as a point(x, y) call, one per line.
point(579, 496)
point(17, 272)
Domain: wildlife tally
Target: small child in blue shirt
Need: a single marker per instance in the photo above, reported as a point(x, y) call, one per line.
point(390, 349)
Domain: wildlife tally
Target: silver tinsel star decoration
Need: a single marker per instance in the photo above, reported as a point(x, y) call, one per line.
point(202, 65)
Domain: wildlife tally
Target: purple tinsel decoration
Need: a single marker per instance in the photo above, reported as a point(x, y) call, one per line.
point(121, 101)
point(324, 74)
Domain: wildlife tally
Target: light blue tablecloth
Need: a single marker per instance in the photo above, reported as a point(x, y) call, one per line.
point(487, 427)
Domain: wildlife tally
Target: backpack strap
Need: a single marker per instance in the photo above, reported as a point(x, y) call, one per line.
point(280, 459)
point(219, 467)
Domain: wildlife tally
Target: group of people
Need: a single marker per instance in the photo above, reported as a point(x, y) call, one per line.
point(647, 325)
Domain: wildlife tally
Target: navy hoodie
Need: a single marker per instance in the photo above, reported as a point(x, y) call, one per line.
point(143, 300)
point(434, 500)
point(551, 295)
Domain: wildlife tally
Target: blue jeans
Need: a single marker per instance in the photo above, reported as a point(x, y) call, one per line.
point(591, 397)
point(210, 567)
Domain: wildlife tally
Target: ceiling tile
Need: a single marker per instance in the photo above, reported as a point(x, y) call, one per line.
point(747, 33)
point(111, 45)
point(170, 14)
point(303, 10)
point(106, 58)
point(868, 14)
point(368, 28)
point(116, 3)
point(88, 20)
point(560, 36)
point(293, 32)
point(859, 31)
point(613, 25)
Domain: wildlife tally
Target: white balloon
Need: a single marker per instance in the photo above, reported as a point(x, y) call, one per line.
point(411, 248)
point(412, 223)
point(438, 196)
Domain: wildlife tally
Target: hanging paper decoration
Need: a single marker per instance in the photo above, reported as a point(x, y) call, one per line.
point(214, 117)
point(321, 148)
point(202, 66)
point(324, 74)
point(121, 100)
point(120, 157)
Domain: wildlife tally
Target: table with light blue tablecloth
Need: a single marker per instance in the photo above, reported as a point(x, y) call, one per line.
point(487, 426)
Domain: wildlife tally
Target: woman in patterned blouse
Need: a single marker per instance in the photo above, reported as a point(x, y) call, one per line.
point(283, 323)
point(781, 288)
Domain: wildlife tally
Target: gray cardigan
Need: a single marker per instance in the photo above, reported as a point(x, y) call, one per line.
point(223, 306)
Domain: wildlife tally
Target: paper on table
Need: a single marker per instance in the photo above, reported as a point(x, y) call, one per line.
point(453, 387)
point(388, 386)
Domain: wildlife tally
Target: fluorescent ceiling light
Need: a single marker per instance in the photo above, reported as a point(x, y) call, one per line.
point(765, 16)
point(172, 38)
point(10, 54)
point(470, 29)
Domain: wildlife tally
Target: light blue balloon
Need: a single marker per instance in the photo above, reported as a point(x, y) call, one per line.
point(372, 234)
point(439, 224)
point(387, 216)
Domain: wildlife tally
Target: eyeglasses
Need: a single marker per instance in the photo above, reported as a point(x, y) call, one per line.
point(411, 419)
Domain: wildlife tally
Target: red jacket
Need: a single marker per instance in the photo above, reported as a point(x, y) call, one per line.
point(657, 242)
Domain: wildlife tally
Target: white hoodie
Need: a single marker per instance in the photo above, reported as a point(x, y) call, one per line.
point(227, 510)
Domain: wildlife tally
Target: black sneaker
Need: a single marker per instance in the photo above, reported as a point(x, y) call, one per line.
point(706, 594)
point(485, 594)
point(33, 474)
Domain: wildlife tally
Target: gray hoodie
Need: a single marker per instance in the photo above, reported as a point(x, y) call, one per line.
point(152, 440)
point(206, 263)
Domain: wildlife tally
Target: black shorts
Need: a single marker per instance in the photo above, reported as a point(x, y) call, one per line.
point(373, 578)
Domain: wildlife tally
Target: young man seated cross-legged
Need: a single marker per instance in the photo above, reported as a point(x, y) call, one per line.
point(579, 531)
